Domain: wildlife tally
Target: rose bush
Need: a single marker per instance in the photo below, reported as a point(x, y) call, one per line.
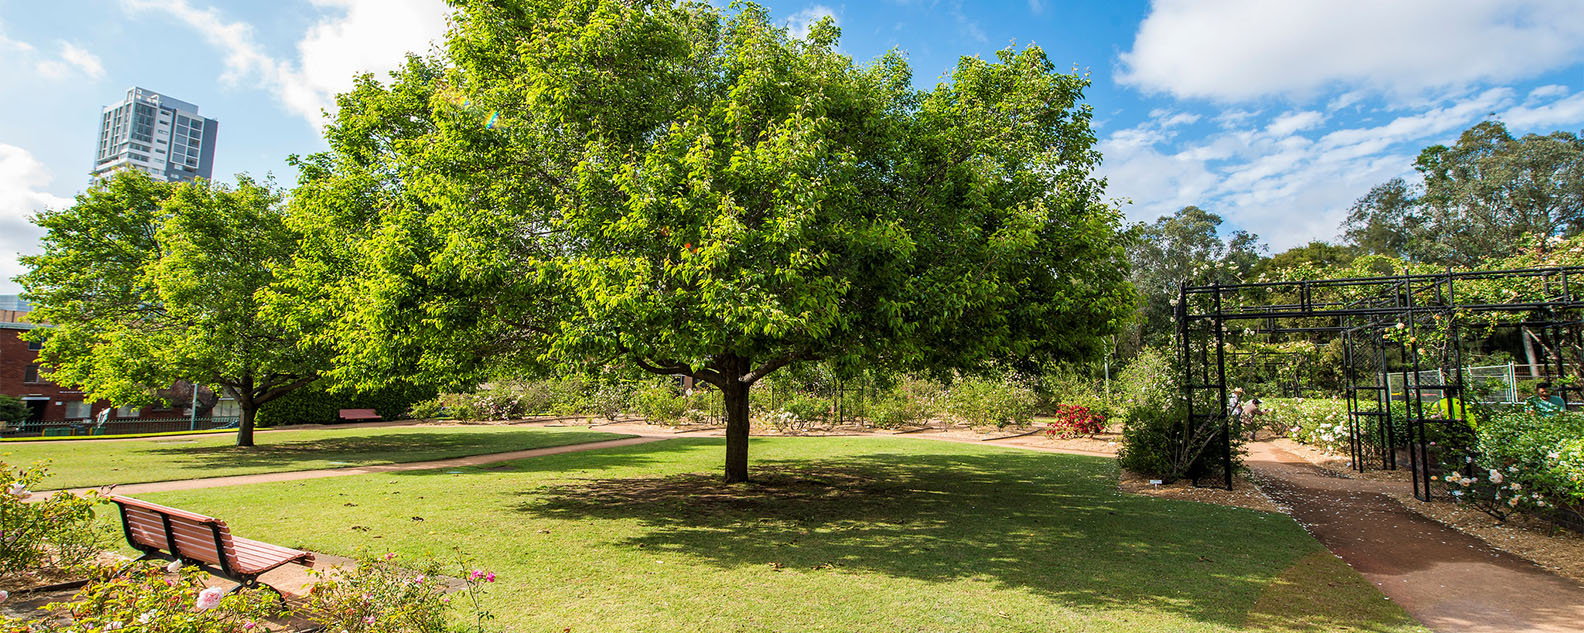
point(57, 533)
point(149, 599)
point(1521, 461)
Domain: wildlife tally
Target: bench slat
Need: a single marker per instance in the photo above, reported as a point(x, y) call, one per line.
point(194, 537)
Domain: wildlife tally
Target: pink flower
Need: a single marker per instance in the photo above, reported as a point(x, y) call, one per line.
point(489, 577)
point(209, 598)
point(4, 595)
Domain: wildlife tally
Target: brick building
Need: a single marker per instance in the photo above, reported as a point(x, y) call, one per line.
point(21, 377)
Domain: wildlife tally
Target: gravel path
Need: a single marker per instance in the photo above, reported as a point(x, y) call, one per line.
point(1450, 581)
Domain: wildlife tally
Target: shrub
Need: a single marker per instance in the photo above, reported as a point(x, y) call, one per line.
point(660, 403)
point(148, 599)
point(908, 401)
point(1157, 437)
point(57, 533)
point(378, 597)
point(1069, 385)
point(982, 401)
point(1074, 420)
point(807, 409)
point(1318, 422)
point(1521, 461)
point(315, 404)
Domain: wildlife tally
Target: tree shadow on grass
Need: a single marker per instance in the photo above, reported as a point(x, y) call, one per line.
point(1053, 525)
point(371, 449)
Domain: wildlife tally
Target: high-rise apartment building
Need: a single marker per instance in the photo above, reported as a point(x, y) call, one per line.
point(157, 134)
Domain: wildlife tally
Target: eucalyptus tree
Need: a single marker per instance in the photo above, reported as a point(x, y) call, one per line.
point(145, 283)
point(666, 186)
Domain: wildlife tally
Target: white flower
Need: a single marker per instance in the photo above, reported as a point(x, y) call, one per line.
point(1495, 476)
point(174, 566)
point(113, 626)
point(1457, 493)
point(147, 617)
point(19, 490)
point(209, 598)
point(4, 595)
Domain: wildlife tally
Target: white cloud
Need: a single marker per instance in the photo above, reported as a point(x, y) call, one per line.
point(354, 36)
point(22, 183)
point(83, 60)
point(1234, 50)
point(1567, 112)
point(72, 59)
point(1285, 176)
point(799, 24)
point(1294, 122)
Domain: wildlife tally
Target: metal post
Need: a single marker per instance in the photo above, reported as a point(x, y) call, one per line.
point(1226, 422)
point(192, 413)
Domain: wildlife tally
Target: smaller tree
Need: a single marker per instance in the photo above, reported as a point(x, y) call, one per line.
point(147, 283)
point(12, 410)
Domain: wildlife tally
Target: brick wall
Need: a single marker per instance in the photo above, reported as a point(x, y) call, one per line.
point(15, 358)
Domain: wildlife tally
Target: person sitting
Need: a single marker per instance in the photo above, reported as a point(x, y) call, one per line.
point(1543, 402)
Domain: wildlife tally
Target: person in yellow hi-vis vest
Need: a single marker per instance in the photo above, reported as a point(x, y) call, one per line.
point(1452, 408)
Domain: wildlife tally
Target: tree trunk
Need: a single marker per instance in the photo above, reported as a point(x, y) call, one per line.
point(1529, 352)
point(245, 427)
point(735, 393)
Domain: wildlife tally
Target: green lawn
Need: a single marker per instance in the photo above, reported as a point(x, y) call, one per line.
point(836, 534)
point(97, 462)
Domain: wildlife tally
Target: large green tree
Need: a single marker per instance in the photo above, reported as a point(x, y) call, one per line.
point(1186, 246)
point(145, 283)
point(1480, 199)
point(596, 183)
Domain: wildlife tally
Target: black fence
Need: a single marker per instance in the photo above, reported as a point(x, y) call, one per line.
point(84, 428)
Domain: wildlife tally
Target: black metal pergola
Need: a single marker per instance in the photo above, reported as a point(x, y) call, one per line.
point(1363, 312)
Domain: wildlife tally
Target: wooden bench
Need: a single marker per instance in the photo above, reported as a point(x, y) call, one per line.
point(171, 534)
point(360, 414)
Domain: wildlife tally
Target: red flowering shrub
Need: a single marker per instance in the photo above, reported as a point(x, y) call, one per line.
point(1073, 420)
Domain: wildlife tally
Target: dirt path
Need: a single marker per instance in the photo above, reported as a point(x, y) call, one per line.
point(455, 462)
point(1448, 580)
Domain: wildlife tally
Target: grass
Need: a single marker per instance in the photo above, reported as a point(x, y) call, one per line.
point(77, 464)
point(835, 534)
point(123, 436)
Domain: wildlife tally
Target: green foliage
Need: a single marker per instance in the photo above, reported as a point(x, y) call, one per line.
point(376, 596)
point(696, 192)
point(13, 410)
point(1522, 461)
point(1000, 401)
point(1070, 384)
point(910, 401)
point(1318, 422)
point(146, 598)
point(807, 409)
point(1481, 197)
point(1181, 247)
point(54, 533)
point(660, 402)
point(1153, 411)
point(148, 283)
point(316, 404)
point(1158, 439)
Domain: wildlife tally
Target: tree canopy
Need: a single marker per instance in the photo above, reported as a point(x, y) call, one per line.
point(145, 283)
point(1480, 199)
point(1184, 246)
point(666, 186)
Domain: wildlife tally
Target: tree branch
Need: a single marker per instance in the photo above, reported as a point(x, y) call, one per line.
point(774, 364)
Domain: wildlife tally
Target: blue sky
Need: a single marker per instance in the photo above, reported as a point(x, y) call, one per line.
point(1276, 115)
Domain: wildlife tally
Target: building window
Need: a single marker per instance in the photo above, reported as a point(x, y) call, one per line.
point(34, 346)
point(30, 375)
point(226, 408)
point(128, 411)
point(78, 410)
